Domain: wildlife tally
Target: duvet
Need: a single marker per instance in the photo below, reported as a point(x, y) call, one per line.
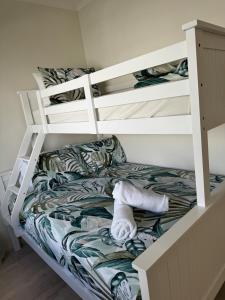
point(71, 223)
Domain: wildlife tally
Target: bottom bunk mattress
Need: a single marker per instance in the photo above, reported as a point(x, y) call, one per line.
point(71, 223)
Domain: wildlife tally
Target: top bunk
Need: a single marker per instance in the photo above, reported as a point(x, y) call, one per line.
point(171, 107)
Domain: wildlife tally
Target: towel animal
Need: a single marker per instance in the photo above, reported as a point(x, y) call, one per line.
point(126, 196)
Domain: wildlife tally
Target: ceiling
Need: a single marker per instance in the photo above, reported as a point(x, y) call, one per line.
point(66, 4)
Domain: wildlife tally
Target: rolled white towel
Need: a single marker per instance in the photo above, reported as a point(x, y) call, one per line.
point(123, 225)
point(127, 193)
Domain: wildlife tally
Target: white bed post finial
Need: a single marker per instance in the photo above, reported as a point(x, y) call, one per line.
point(200, 132)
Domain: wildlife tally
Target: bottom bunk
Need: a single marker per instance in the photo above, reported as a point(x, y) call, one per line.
point(69, 214)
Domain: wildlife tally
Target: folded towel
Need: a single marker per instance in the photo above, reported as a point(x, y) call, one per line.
point(123, 225)
point(127, 193)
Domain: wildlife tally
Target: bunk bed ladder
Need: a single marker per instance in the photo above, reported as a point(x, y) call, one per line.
point(32, 143)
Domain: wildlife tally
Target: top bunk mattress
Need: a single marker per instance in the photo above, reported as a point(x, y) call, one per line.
point(71, 223)
point(159, 108)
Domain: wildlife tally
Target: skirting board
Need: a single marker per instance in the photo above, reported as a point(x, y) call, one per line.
point(69, 279)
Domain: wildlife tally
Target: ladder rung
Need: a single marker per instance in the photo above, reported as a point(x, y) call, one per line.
point(14, 189)
point(25, 158)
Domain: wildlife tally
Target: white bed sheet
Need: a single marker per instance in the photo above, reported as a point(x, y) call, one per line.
point(160, 108)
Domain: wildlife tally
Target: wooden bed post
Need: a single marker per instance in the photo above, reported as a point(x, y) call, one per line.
point(44, 120)
point(24, 98)
point(90, 103)
point(200, 132)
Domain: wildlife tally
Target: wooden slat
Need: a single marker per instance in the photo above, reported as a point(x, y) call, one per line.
point(200, 134)
point(158, 57)
point(14, 189)
point(149, 93)
point(66, 107)
point(36, 128)
point(25, 158)
point(63, 87)
point(22, 191)
point(163, 125)
point(26, 107)
point(81, 127)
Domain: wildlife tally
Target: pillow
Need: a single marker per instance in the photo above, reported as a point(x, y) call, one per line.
point(54, 76)
point(39, 80)
point(45, 180)
point(75, 161)
point(102, 154)
point(58, 167)
point(154, 72)
point(50, 161)
point(150, 81)
point(178, 67)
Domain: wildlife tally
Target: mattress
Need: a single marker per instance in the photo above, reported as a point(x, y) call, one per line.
point(160, 108)
point(71, 223)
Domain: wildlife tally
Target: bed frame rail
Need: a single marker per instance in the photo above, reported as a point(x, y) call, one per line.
point(155, 58)
point(188, 261)
point(86, 104)
point(149, 93)
point(25, 98)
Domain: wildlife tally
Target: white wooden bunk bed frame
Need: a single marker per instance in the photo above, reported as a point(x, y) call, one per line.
point(182, 264)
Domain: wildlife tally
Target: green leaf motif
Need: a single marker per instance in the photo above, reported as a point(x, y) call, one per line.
point(120, 287)
point(157, 229)
point(135, 246)
point(100, 212)
point(61, 215)
point(86, 252)
point(84, 239)
point(107, 238)
point(66, 238)
point(119, 260)
point(41, 235)
point(46, 225)
point(62, 261)
point(76, 222)
point(85, 277)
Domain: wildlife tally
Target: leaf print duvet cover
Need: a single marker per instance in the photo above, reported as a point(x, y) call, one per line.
point(71, 223)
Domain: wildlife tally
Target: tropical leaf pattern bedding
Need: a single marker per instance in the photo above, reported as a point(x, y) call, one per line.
point(173, 71)
point(54, 76)
point(73, 162)
point(71, 223)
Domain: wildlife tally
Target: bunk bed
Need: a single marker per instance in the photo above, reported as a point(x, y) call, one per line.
point(187, 261)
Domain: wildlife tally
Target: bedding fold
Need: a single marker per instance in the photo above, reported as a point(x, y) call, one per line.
point(71, 223)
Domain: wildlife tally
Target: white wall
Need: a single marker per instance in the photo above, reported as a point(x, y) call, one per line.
point(116, 30)
point(30, 36)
